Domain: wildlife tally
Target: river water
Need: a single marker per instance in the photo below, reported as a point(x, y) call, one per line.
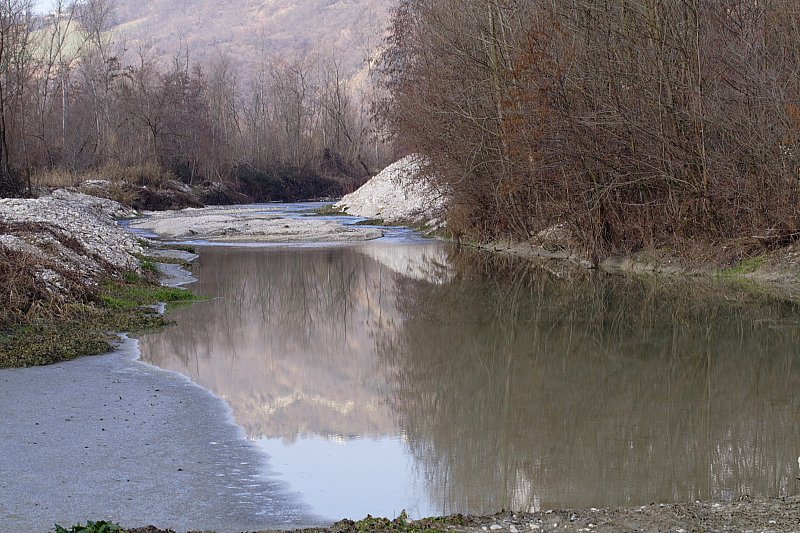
point(400, 374)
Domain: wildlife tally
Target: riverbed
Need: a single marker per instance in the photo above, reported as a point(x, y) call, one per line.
point(401, 374)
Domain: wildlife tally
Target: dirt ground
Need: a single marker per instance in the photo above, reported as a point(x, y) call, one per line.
point(776, 515)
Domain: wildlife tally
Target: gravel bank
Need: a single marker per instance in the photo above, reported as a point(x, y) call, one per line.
point(237, 224)
point(770, 516)
point(400, 194)
point(69, 233)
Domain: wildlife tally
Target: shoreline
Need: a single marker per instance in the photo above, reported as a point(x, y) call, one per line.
point(776, 273)
point(778, 515)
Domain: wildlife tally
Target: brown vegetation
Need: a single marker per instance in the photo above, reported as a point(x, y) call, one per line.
point(641, 124)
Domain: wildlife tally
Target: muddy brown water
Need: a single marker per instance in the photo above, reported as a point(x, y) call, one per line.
point(402, 375)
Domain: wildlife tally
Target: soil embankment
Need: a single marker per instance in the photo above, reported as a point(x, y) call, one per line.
point(71, 276)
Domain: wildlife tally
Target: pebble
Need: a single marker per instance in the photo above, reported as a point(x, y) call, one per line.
point(495, 527)
point(513, 529)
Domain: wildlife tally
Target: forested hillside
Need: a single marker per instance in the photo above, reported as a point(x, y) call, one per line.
point(272, 97)
point(347, 30)
point(639, 123)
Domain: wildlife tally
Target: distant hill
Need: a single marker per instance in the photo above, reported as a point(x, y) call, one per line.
point(249, 29)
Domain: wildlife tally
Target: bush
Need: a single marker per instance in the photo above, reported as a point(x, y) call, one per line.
point(284, 184)
point(11, 186)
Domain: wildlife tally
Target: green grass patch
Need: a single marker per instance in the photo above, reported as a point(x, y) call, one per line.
point(172, 261)
point(149, 266)
point(84, 330)
point(746, 266)
point(141, 293)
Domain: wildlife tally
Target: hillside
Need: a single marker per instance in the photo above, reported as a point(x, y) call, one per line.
point(249, 29)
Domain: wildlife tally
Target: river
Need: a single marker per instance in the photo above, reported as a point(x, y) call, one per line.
point(401, 375)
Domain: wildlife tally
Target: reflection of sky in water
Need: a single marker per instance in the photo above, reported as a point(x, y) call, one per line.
point(350, 477)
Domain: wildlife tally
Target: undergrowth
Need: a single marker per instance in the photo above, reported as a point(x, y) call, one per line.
point(746, 266)
point(137, 292)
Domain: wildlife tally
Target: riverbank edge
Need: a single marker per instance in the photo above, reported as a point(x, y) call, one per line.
point(771, 515)
point(74, 277)
point(130, 304)
point(775, 273)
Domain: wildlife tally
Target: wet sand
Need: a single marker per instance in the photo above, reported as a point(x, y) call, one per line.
point(110, 438)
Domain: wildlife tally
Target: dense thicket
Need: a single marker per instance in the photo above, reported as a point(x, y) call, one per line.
point(71, 98)
point(638, 122)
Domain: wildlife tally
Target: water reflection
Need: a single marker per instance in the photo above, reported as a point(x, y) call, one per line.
point(290, 342)
point(596, 391)
point(491, 385)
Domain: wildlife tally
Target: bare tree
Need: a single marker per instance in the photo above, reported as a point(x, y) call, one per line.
point(15, 30)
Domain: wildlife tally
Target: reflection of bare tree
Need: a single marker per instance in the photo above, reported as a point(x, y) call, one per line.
point(289, 340)
point(516, 390)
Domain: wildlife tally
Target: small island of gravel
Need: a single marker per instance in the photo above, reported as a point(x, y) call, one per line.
point(236, 224)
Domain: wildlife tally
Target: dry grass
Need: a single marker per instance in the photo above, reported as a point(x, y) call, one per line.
point(25, 296)
point(142, 175)
point(140, 186)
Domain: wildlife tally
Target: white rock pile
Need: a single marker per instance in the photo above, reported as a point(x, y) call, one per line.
point(69, 232)
point(400, 194)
